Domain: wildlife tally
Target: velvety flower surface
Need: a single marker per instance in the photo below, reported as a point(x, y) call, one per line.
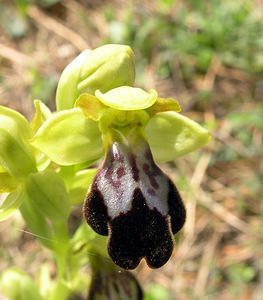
point(115, 285)
point(135, 203)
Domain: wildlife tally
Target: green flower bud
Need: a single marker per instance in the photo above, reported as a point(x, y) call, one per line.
point(103, 68)
point(16, 284)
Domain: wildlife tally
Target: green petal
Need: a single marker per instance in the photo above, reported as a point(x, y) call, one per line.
point(42, 112)
point(164, 104)
point(68, 137)
point(80, 184)
point(16, 155)
point(11, 203)
point(127, 98)
point(171, 135)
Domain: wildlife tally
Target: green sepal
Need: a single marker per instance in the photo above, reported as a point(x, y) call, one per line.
point(16, 155)
point(171, 135)
point(127, 98)
point(15, 284)
point(103, 68)
point(69, 137)
point(80, 184)
point(11, 203)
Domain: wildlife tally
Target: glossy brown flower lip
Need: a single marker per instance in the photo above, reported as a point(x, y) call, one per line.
point(136, 204)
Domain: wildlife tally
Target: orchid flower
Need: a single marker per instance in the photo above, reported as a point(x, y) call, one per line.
point(130, 199)
point(101, 115)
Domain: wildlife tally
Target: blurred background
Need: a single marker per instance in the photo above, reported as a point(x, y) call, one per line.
point(209, 56)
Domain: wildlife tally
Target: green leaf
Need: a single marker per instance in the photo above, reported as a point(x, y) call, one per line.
point(11, 203)
point(171, 135)
point(68, 137)
point(80, 184)
point(46, 209)
point(127, 98)
point(47, 193)
point(38, 224)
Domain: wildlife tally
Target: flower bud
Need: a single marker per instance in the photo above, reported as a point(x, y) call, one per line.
point(103, 68)
point(15, 284)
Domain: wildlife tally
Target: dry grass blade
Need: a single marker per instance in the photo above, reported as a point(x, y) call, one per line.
point(51, 24)
point(15, 56)
point(221, 212)
point(203, 272)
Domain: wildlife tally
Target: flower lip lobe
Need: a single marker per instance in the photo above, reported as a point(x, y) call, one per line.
point(141, 232)
point(95, 211)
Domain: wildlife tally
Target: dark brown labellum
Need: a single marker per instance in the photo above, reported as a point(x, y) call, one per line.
point(134, 202)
